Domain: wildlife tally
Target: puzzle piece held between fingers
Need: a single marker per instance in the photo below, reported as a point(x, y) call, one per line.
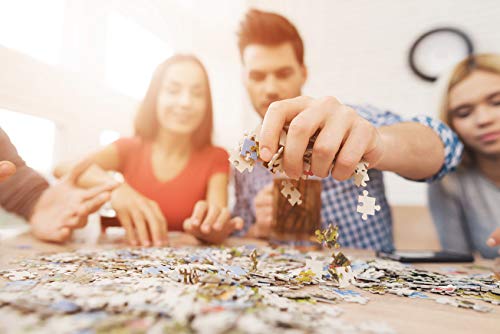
point(240, 163)
point(249, 149)
point(361, 174)
point(291, 193)
point(368, 207)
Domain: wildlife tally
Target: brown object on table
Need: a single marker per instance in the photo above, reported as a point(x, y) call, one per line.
point(298, 222)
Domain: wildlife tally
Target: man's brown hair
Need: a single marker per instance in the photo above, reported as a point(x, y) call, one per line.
point(270, 29)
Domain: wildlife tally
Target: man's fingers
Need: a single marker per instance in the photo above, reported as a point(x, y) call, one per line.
point(127, 224)
point(278, 114)
point(141, 227)
point(494, 239)
point(351, 153)
point(7, 169)
point(92, 205)
point(97, 190)
point(327, 145)
point(264, 200)
point(301, 129)
point(199, 212)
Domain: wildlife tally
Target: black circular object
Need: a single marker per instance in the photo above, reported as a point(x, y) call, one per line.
point(442, 57)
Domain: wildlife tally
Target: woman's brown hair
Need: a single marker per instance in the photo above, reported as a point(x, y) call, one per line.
point(146, 122)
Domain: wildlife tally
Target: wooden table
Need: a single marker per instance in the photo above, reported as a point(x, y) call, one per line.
point(403, 314)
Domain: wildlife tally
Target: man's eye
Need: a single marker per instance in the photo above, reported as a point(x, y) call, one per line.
point(283, 74)
point(257, 76)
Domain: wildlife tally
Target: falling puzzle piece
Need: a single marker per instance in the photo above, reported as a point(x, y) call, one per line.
point(291, 193)
point(239, 162)
point(368, 207)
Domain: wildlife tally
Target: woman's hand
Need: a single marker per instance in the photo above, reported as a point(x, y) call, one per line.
point(211, 223)
point(494, 239)
point(141, 217)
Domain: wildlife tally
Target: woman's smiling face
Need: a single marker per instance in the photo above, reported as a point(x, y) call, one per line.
point(183, 98)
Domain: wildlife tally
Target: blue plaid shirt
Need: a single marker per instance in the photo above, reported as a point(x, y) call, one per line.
point(340, 198)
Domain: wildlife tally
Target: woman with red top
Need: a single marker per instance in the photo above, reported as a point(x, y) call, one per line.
point(175, 179)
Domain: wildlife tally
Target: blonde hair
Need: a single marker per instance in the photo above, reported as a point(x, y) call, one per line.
point(483, 62)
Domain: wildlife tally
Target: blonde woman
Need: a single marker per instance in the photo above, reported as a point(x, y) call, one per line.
point(465, 205)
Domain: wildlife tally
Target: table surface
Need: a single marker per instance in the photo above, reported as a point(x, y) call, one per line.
point(403, 314)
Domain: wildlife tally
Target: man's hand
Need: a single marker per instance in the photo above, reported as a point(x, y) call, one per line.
point(64, 207)
point(494, 239)
point(7, 169)
point(263, 205)
point(140, 216)
point(211, 223)
point(344, 136)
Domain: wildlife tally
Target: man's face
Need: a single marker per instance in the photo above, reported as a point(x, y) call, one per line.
point(271, 73)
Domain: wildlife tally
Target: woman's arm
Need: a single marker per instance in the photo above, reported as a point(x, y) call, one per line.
point(217, 190)
point(104, 160)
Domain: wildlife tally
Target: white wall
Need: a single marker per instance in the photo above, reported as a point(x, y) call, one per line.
point(355, 50)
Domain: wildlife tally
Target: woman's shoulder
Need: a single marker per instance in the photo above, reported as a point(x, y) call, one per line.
point(130, 143)
point(452, 183)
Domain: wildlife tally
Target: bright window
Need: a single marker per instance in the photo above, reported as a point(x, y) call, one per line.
point(33, 138)
point(33, 27)
point(132, 54)
point(108, 136)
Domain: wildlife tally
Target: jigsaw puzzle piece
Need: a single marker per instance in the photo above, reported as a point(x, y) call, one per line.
point(291, 193)
point(368, 206)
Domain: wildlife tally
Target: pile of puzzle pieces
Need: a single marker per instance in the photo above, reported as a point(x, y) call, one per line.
point(246, 156)
point(217, 290)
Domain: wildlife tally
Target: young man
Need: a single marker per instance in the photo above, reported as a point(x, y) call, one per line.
point(52, 211)
point(421, 148)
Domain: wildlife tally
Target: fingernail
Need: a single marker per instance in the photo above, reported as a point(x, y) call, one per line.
point(158, 244)
point(195, 222)
point(491, 242)
point(134, 243)
point(265, 154)
point(147, 243)
point(205, 229)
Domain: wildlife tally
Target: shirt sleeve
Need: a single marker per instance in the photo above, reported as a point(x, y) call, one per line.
point(452, 145)
point(220, 161)
point(242, 207)
point(20, 192)
point(448, 216)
